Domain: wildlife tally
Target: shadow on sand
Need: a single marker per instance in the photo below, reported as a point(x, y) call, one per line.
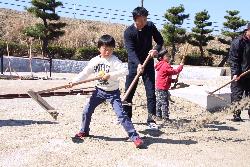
point(218, 126)
point(12, 122)
point(147, 140)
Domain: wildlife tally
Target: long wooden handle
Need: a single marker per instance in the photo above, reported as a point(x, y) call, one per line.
point(241, 75)
point(222, 86)
point(182, 61)
point(185, 54)
point(67, 85)
point(131, 86)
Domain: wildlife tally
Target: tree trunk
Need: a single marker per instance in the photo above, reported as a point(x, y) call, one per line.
point(45, 47)
point(46, 43)
point(223, 61)
point(201, 51)
point(173, 51)
point(1, 63)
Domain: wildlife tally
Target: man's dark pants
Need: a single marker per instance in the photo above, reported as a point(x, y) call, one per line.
point(238, 89)
point(148, 78)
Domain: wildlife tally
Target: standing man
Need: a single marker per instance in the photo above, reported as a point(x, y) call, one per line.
point(138, 43)
point(239, 59)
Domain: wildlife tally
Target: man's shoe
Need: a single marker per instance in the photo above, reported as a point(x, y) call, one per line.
point(152, 125)
point(167, 120)
point(138, 142)
point(237, 118)
point(158, 118)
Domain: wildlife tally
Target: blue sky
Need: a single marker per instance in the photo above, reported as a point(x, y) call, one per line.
point(119, 11)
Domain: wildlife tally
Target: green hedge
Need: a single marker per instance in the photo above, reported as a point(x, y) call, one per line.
point(59, 52)
point(87, 53)
point(14, 49)
point(121, 54)
point(196, 60)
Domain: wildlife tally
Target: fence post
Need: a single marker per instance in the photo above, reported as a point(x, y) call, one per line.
point(1, 63)
point(50, 66)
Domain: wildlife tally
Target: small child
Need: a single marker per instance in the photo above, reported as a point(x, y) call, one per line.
point(106, 89)
point(163, 83)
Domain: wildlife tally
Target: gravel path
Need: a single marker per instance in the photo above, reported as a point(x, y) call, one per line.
point(30, 137)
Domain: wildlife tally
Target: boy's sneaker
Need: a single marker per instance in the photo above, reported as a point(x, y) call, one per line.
point(152, 125)
point(117, 122)
point(81, 135)
point(138, 142)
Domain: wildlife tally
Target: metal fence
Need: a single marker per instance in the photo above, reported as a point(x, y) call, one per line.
point(74, 10)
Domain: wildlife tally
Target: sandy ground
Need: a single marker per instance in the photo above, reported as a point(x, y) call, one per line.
point(30, 137)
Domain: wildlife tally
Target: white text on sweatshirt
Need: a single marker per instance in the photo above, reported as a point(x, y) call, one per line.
point(111, 65)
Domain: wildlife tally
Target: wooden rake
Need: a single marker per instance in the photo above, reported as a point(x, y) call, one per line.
point(51, 110)
point(235, 79)
point(240, 76)
point(182, 61)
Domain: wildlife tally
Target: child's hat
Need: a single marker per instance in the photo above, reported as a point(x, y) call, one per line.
point(161, 54)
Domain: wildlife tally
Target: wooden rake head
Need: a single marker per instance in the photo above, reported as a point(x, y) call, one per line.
point(51, 110)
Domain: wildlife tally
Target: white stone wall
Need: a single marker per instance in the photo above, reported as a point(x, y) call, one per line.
point(38, 65)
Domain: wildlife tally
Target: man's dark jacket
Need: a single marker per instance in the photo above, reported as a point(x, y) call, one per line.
point(239, 55)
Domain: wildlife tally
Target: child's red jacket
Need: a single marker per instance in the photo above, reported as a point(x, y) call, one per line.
point(164, 74)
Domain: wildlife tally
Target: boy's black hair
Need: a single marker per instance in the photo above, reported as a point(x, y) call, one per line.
point(139, 11)
point(161, 54)
point(106, 40)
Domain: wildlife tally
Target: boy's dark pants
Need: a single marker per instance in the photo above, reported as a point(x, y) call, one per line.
point(162, 103)
point(113, 97)
point(238, 89)
point(148, 78)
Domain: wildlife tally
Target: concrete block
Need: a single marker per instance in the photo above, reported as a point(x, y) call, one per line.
point(200, 72)
point(198, 95)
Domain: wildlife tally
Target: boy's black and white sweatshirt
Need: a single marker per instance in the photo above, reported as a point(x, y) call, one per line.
point(111, 65)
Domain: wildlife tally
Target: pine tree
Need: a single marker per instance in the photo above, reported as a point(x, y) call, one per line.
point(50, 28)
point(172, 32)
point(200, 35)
point(232, 28)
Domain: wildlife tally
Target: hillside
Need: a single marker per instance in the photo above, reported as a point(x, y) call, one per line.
point(77, 32)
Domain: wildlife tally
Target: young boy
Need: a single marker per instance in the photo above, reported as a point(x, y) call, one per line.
point(163, 83)
point(107, 88)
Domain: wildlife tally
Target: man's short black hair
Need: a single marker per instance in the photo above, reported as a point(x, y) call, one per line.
point(106, 40)
point(247, 27)
point(139, 11)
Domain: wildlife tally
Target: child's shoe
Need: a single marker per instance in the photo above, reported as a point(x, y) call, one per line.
point(81, 135)
point(237, 118)
point(138, 142)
